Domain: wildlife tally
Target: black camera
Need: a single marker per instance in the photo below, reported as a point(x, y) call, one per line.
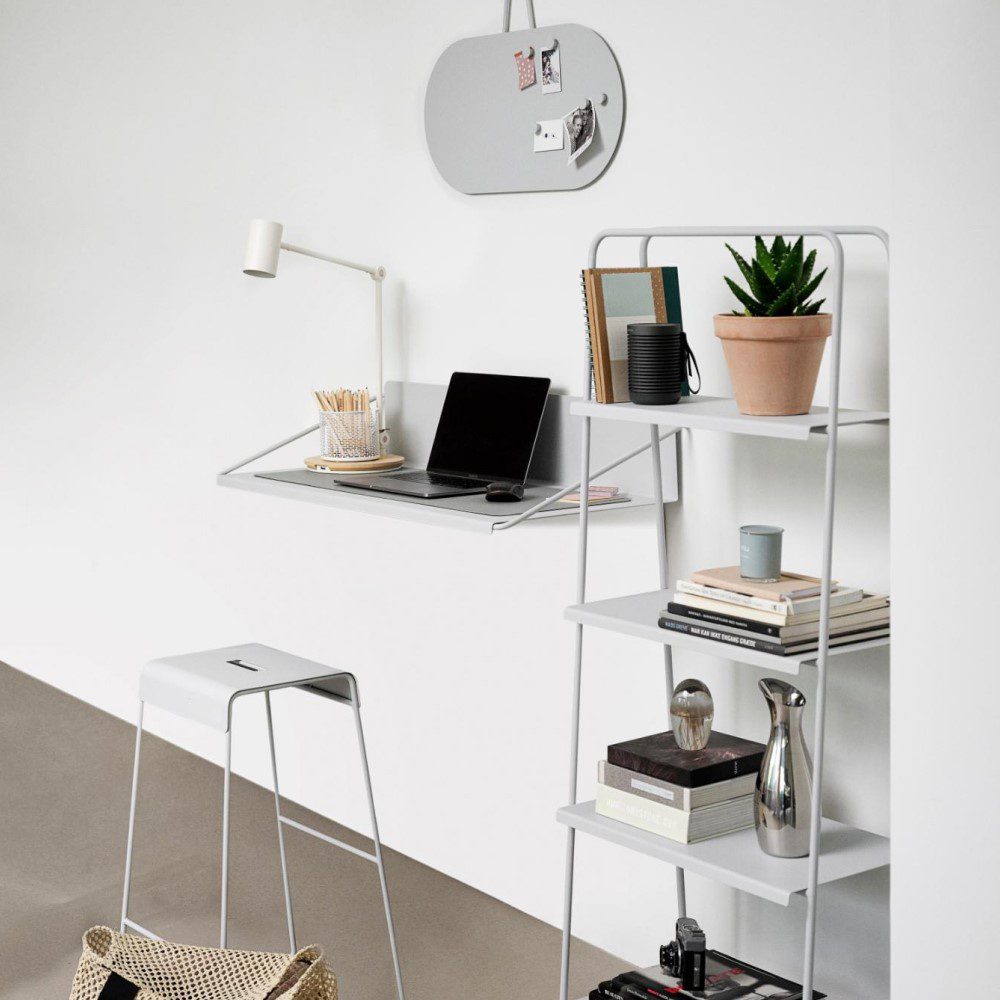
point(684, 957)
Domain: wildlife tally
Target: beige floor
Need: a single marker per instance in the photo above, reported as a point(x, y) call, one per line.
point(65, 769)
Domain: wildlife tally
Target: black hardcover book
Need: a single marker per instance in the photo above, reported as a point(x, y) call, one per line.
point(607, 990)
point(763, 645)
point(717, 618)
point(618, 989)
point(659, 756)
point(726, 978)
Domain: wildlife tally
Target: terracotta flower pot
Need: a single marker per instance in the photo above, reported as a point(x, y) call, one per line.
point(773, 360)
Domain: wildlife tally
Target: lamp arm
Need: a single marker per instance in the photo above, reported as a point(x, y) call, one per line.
point(376, 272)
point(378, 276)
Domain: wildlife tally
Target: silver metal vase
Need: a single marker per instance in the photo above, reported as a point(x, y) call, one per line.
point(783, 796)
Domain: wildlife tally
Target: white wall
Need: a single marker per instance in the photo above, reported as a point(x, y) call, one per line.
point(137, 360)
point(946, 160)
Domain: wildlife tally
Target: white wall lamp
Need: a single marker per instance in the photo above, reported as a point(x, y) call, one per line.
point(263, 246)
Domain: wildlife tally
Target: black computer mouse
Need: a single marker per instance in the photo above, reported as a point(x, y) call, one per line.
point(505, 492)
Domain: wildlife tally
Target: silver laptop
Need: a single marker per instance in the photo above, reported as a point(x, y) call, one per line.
point(486, 434)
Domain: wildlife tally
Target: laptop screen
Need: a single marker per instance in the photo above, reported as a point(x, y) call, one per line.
point(488, 426)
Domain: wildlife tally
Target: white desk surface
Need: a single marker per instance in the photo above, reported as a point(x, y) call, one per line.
point(471, 513)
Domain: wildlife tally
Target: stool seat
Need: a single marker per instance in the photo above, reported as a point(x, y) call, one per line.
point(202, 686)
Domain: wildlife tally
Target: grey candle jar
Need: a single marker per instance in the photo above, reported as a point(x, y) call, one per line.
point(760, 552)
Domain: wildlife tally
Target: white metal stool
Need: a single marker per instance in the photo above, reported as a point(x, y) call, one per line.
point(203, 686)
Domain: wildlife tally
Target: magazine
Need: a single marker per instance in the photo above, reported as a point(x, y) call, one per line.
point(726, 978)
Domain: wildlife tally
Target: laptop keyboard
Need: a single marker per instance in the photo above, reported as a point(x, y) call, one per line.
point(437, 479)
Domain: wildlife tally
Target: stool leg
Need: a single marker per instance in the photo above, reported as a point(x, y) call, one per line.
point(281, 832)
point(224, 903)
point(131, 819)
point(378, 844)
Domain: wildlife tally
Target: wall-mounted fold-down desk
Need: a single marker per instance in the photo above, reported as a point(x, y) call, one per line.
point(412, 410)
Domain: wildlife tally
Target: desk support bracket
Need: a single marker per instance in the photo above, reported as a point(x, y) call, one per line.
point(267, 451)
point(669, 432)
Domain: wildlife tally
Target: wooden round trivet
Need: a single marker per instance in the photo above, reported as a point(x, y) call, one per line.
point(384, 464)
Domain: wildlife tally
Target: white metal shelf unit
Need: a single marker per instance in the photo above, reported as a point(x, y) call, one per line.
point(720, 416)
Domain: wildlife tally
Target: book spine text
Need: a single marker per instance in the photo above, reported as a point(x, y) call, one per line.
point(717, 635)
point(653, 817)
point(731, 597)
point(716, 618)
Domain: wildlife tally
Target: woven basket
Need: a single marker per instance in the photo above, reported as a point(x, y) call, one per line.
point(122, 967)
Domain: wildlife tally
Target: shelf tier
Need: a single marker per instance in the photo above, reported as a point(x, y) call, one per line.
point(712, 413)
point(637, 615)
point(443, 512)
point(737, 860)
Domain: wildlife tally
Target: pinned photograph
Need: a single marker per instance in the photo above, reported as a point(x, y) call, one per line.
point(551, 72)
point(581, 124)
point(525, 62)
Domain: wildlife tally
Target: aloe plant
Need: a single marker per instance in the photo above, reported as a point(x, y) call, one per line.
point(780, 279)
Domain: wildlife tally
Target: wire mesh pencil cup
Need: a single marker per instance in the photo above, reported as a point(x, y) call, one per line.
point(350, 435)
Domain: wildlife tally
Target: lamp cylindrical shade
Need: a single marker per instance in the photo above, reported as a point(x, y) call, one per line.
point(263, 247)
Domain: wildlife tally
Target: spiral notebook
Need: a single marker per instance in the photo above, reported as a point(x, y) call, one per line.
point(613, 297)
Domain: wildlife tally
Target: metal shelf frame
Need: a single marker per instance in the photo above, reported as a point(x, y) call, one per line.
point(832, 235)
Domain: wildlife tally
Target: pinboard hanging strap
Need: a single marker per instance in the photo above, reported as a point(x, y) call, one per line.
point(506, 14)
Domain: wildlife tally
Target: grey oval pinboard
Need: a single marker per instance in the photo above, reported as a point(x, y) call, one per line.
point(482, 127)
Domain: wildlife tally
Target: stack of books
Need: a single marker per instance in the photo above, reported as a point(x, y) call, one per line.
point(685, 795)
point(780, 618)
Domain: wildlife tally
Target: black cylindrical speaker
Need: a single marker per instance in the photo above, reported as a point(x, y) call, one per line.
point(655, 363)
